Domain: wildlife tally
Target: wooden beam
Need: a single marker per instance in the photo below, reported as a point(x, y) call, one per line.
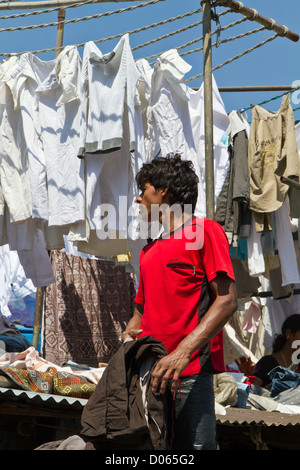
point(251, 14)
point(51, 4)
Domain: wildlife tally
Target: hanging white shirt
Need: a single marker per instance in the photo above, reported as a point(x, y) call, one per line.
point(30, 72)
point(14, 174)
point(111, 186)
point(169, 128)
point(59, 113)
point(108, 81)
point(285, 245)
point(220, 144)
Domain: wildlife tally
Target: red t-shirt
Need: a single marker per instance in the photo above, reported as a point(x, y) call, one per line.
point(174, 288)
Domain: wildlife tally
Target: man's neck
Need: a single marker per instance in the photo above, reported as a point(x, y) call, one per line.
point(172, 222)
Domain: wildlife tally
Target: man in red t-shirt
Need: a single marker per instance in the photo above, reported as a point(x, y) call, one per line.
point(186, 295)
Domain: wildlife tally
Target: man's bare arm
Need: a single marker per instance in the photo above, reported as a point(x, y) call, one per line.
point(133, 327)
point(219, 313)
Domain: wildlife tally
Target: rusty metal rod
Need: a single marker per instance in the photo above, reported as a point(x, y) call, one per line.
point(257, 88)
point(208, 110)
point(49, 4)
point(251, 14)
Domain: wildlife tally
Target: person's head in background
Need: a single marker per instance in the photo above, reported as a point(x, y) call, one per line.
point(290, 332)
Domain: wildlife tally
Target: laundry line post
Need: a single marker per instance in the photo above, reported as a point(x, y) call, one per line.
point(208, 109)
point(40, 291)
point(37, 316)
point(60, 31)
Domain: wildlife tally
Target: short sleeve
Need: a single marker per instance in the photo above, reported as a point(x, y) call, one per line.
point(139, 298)
point(215, 251)
point(263, 367)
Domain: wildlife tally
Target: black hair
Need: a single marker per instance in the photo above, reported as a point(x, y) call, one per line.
point(173, 173)
point(291, 323)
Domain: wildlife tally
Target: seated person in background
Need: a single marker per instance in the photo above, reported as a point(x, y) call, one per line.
point(282, 351)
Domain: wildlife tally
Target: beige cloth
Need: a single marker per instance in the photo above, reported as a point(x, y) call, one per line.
point(272, 153)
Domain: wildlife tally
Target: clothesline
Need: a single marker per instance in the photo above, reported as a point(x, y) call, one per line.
point(272, 99)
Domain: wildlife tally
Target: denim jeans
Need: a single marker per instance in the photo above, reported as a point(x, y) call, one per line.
point(194, 426)
point(282, 379)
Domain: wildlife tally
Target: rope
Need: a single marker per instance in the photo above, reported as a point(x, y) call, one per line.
point(231, 25)
point(119, 35)
point(237, 56)
point(143, 28)
point(218, 43)
point(272, 99)
point(85, 18)
point(165, 36)
point(49, 10)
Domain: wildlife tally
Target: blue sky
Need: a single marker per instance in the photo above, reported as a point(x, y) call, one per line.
point(277, 63)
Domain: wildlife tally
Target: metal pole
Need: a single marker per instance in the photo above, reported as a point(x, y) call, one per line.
point(60, 31)
point(50, 4)
point(251, 14)
point(37, 316)
point(258, 88)
point(208, 110)
point(38, 311)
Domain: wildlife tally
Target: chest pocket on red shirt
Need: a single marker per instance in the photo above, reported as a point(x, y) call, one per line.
point(185, 267)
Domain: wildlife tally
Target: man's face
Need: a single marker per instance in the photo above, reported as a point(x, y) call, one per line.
point(149, 198)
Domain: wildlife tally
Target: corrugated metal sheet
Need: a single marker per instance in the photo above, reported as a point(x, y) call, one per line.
point(247, 417)
point(41, 399)
point(234, 416)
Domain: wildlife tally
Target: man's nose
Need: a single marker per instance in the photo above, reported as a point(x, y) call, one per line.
point(139, 199)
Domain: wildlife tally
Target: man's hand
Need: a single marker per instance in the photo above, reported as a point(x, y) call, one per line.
point(133, 328)
point(132, 333)
point(172, 364)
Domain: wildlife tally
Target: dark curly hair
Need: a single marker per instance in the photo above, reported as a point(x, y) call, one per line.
point(173, 173)
point(291, 323)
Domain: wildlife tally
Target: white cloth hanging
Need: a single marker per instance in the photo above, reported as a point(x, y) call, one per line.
point(30, 72)
point(220, 142)
point(108, 81)
point(59, 110)
point(174, 115)
point(256, 262)
point(50, 114)
point(285, 245)
point(14, 174)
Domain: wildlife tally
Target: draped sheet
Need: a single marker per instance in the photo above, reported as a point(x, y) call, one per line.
point(86, 310)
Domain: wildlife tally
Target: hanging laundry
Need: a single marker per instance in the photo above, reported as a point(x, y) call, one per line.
point(108, 81)
point(169, 128)
point(285, 244)
point(294, 192)
point(29, 73)
point(272, 153)
point(86, 309)
point(232, 210)
point(59, 111)
point(50, 106)
point(256, 262)
point(220, 141)
point(297, 134)
point(173, 117)
point(14, 173)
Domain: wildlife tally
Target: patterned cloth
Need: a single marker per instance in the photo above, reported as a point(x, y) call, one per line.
point(51, 381)
point(86, 310)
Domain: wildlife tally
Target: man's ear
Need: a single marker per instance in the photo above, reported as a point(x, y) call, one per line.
point(164, 192)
